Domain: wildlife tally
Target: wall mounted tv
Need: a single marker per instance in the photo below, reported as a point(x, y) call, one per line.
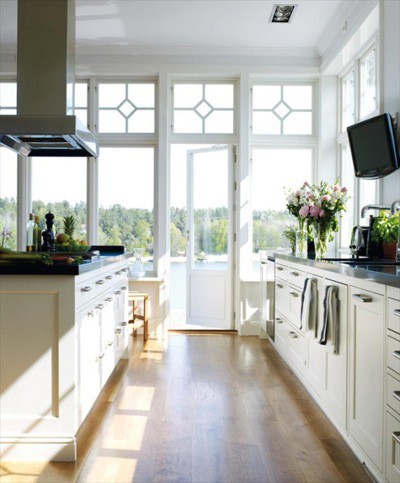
point(373, 147)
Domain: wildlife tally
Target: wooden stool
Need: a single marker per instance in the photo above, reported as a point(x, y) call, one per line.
point(143, 320)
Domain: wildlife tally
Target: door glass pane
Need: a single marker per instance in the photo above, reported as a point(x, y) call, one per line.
point(126, 199)
point(59, 186)
point(210, 210)
point(8, 199)
point(273, 170)
point(367, 84)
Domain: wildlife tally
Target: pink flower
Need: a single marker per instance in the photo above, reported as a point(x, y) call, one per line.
point(336, 188)
point(306, 183)
point(310, 196)
point(326, 198)
point(344, 189)
point(314, 211)
point(321, 213)
point(298, 193)
point(304, 211)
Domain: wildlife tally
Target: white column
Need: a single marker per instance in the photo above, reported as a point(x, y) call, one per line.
point(24, 199)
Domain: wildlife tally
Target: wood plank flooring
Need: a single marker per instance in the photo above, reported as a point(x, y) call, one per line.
point(202, 409)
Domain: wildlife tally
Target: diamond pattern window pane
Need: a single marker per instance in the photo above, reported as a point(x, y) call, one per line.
point(142, 95)
point(220, 95)
point(126, 108)
point(282, 110)
point(266, 123)
point(187, 122)
point(298, 97)
point(187, 95)
point(266, 97)
point(212, 104)
point(298, 123)
point(219, 122)
point(142, 121)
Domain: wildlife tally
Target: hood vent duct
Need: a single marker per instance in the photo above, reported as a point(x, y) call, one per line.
point(44, 124)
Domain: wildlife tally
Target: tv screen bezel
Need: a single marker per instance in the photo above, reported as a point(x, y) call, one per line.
point(378, 172)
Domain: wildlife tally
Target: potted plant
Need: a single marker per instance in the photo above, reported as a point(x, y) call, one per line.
point(386, 232)
point(290, 234)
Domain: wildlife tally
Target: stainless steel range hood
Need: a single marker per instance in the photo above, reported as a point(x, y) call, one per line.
point(44, 124)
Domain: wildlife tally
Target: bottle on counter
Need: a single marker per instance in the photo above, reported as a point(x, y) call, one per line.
point(29, 233)
point(37, 236)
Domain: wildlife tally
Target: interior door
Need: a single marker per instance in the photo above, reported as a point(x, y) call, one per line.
point(210, 238)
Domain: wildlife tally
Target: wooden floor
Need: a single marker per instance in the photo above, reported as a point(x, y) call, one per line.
point(202, 408)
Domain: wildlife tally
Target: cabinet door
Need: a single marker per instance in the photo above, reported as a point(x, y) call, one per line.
point(281, 333)
point(107, 338)
point(366, 375)
point(89, 360)
point(392, 449)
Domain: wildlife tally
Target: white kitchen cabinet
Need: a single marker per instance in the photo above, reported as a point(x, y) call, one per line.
point(392, 448)
point(366, 372)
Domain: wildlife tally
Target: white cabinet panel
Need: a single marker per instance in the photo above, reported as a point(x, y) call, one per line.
point(392, 449)
point(393, 311)
point(366, 349)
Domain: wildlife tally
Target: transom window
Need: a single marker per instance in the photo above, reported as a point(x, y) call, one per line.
point(81, 102)
point(203, 108)
point(8, 98)
point(127, 107)
point(282, 109)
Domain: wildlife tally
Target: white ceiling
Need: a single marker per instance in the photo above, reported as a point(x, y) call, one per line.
point(189, 27)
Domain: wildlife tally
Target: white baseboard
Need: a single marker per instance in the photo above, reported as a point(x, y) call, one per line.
point(250, 327)
point(38, 449)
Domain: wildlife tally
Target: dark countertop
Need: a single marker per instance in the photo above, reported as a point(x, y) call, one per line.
point(383, 274)
point(29, 268)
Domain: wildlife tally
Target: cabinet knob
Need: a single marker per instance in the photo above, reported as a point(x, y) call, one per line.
point(110, 343)
point(109, 299)
point(124, 287)
point(295, 274)
point(99, 282)
point(124, 324)
point(362, 297)
point(109, 277)
point(118, 272)
point(118, 292)
point(86, 289)
point(293, 335)
point(279, 321)
point(118, 331)
point(91, 313)
point(101, 355)
point(279, 268)
point(279, 285)
point(100, 306)
point(294, 294)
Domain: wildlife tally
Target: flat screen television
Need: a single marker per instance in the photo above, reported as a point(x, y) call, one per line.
point(373, 147)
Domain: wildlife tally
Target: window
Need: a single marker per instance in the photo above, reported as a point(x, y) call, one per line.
point(81, 102)
point(8, 199)
point(282, 109)
point(348, 106)
point(59, 186)
point(127, 108)
point(269, 178)
point(368, 83)
point(203, 108)
point(350, 181)
point(8, 98)
point(126, 199)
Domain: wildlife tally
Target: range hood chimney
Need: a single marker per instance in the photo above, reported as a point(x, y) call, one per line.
point(44, 124)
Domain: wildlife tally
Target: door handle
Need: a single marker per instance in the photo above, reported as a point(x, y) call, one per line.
point(294, 294)
point(278, 320)
point(293, 335)
point(109, 299)
point(279, 285)
point(99, 282)
point(100, 306)
point(295, 274)
point(279, 268)
point(109, 277)
point(86, 289)
point(362, 297)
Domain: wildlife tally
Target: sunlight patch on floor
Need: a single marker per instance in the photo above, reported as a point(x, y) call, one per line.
point(126, 431)
point(110, 469)
point(137, 398)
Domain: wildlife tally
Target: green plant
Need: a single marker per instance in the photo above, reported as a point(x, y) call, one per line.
point(386, 228)
point(290, 234)
point(69, 225)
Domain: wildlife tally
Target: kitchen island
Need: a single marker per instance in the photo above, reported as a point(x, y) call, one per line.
point(338, 328)
point(63, 329)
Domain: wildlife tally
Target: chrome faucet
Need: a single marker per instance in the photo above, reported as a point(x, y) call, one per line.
point(395, 206)
point(373, 207)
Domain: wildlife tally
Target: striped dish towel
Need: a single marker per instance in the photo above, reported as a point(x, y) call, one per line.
point(309, 306)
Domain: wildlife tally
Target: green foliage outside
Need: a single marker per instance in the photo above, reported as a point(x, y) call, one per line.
point(133, 227)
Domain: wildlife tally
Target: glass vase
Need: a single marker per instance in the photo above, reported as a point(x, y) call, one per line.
point(321, 236)
point(137, 268)
point(301, 240)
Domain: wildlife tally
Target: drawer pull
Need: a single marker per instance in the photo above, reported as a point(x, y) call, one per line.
point(99, 282)
point(279, 321)
point(279, 268)
point(396, 312)
point(86, 289)
point(101, 355)
point(109, 299)
point(124, 270)
point(118, 273)
point(396, 436)
point(124, 287)
point(293, 335)
point(294, 294)
point(362, 298)
point(91, 313)
point(396, 395)
point(295, 274)
point(110, 343)
point(396, 354)
point(124, 324)
point(100, 306)
point(279, 285)
point(118, 292)
point(118, 331)
point(109, 277)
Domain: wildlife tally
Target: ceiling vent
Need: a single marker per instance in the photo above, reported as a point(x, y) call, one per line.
point(282, 13)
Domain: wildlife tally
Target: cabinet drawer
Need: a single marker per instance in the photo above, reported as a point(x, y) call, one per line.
point(84, 292)
point(392, 449)
point(393, 311)
point(281, 333)
point(297, 349)
point(296, 277)
point(281, 271)
point(393, 354)
point(294, 305)
point(281, 296)
point(393, 393)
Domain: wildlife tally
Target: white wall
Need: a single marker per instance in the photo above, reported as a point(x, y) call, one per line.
point(390, 80)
